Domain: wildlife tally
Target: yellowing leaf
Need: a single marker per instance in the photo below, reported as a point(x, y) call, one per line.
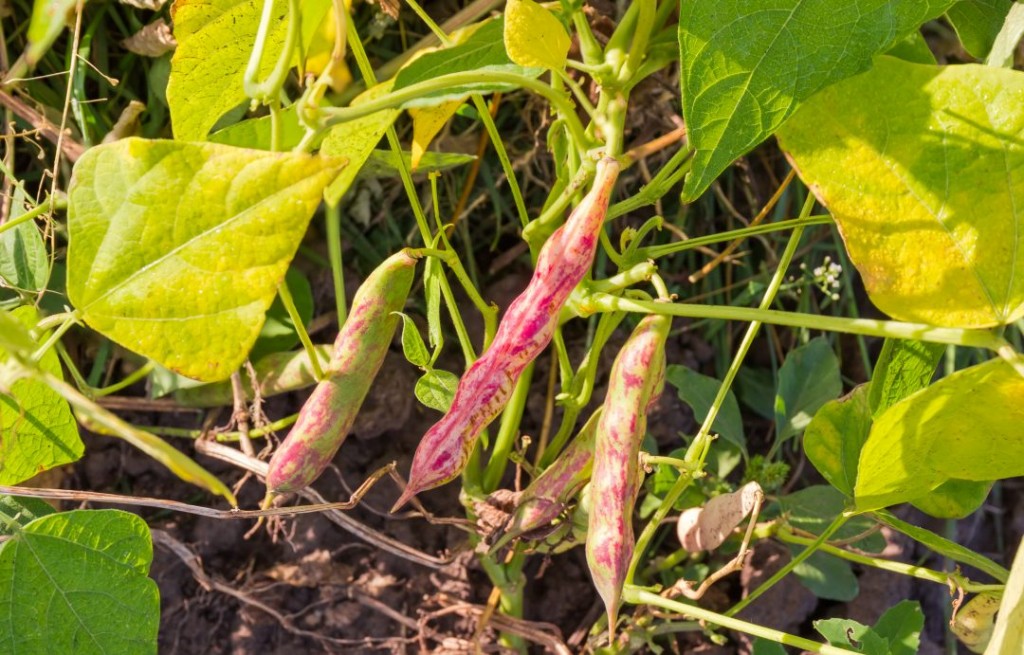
point(215, 38)
point(923, 169)
point(426, 123)
point(177, 249)
point(533, 36)
point(37, 430)
point(321, 46)
point(355, 140)
point(968, 426)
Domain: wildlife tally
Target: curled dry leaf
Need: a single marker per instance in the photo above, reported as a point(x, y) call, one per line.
point(705, 528)
point(153, 40)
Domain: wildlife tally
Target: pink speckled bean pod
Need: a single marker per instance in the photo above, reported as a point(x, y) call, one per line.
point(549, 493)
point(524, 332)
point(636, 381)
point(359, 350)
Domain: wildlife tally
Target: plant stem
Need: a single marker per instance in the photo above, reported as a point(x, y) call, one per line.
point(636, 595)
point(333, 217)
point(792, 564)
point(268, 90)
point(919, 572)
point(560, 101)
point(42, 208)
point(289, 304)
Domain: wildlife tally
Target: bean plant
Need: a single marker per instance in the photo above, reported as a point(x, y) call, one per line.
point(172, 233)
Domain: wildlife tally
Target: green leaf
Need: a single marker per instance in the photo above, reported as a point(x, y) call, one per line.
point(77, 582)
point(699, 391)
point(432, 290)
point(15, 338)
point(835, 436)
point(967, 426)
point(278, 333)
point(901, 626)
point(415, 350)
point(24, 263)
point(903, 367)
point(484, 50)
point(812, 509)
point(384, 163)
point(921, 169)
point(177, 249)
point(829, 577)
point(1005, 45)
point(49, 18)
point(215, 38)
point(746, 67)
point(355, 141)
point(913, 48)
point(37, 430)
point(847, 633)
point(1008, 635)
point(954, 499)
point(19, 512)
point(436, 389)
point(808, 379)
point(534, 37)
point(256, 132)
point(765, 647)
point(755, 388)
point(977, 22)
point(943, 546)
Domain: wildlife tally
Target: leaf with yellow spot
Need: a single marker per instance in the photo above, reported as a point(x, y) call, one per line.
point(923, 169)
point(534, 37)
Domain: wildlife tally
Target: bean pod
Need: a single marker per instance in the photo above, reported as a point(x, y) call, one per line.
point(524, 332)
point(636, 381)
point(359, 351)
point(548, 495)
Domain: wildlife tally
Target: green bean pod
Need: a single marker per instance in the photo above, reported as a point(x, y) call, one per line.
point(359, 350)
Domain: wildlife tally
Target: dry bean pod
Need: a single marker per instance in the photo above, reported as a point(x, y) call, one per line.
point(636, 380)
point(548, 495)
point(359, 350)
point(525, 330)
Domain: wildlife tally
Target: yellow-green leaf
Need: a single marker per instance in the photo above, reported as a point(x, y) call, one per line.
point(923, 169)
point(967, 426)
point(534, 37)
point(834, 438)
point(426, 123)
point(355, 140)
point(215, 38)
point(177, 249)
point(37, 430)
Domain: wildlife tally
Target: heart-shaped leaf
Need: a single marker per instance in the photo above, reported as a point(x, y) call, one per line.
point(747, 66)
point(177, 249)
point(968, 426)
point(923, 169)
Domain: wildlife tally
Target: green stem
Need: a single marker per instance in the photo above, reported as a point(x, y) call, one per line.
point(128, 381)
point(269, 89)
point(641, 35)
point(669, 174)
point(560, 101)
point(69, 320)
point(657, 252)
point(792, 564)
point(508, 430)
point(34, 213)
point(919, 572)
point(869, 327)
point(333, 217)
point(638, 596)
point(289, 304)
point(223, 437)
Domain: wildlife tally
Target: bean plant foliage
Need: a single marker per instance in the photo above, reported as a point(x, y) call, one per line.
point(837, 209)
